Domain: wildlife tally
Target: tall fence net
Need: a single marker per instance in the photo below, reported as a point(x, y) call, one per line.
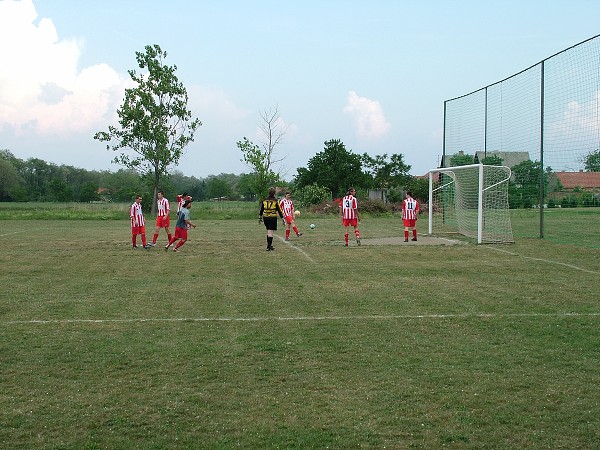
point(543, 123)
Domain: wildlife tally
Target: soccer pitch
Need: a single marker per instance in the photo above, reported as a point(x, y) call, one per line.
point(224, 345)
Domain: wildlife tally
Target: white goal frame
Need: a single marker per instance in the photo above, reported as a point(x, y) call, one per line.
point(493, 220)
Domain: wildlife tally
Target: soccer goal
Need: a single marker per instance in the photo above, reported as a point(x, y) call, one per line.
point(471, 200)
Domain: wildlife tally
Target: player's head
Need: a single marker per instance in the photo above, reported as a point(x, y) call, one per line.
point(138, 199)
point(160, 194)
point(187, 204)
point(351, 191)
point(272, 192)
point(409, 194)
point(288, 194)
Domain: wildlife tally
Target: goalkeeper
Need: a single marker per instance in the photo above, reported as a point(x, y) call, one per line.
point(269, 209)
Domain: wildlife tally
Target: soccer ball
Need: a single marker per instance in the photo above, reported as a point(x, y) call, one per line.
point(296, 213)
point(312, 226)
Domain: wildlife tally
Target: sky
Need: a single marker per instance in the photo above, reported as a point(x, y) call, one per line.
point(372, 73)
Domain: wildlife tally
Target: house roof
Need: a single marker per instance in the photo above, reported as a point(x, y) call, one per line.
point(584, 180)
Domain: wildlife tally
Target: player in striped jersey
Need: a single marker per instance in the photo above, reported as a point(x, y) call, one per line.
point(287, 206)
point(138, 224)
point(349, 215)
point(181, 198)
point(410, 211)
point(163, 219)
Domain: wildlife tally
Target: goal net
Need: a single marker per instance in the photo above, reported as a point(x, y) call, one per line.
point(471, 200)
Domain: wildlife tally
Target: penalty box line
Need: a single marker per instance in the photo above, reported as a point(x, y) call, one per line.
point(548, 261)
point(296, 318)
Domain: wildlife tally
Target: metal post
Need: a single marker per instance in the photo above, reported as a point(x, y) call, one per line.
point(542, 187)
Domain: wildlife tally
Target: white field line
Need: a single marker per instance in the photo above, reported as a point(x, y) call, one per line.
point(296, 319)
point(297, 249)
point(14, 232)
point(549, 261)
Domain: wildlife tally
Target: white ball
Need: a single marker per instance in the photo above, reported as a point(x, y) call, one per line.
point(296, 213)
point(312, 226)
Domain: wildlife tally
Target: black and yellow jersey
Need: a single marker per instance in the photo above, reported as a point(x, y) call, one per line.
point(270, 208)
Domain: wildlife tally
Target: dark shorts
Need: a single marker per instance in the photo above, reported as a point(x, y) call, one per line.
point(270, 223)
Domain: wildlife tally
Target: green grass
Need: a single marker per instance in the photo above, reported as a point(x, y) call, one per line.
point(224, 345)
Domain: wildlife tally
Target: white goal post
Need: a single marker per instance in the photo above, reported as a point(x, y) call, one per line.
point(471, 200)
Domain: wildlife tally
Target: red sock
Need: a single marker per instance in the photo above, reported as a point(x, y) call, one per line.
point(179, 244)
point(357, 234)
point(169, 237)
point(134, 240)
point(154, 238)
point(296, 229)
point(415, 233)
point(406, 234)
point(346, 238)
point(287, 234)
point(144, 242)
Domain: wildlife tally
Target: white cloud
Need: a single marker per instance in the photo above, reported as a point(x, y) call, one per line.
point(41, 87)
point(368, 116)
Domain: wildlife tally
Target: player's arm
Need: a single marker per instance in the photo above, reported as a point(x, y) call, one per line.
point(279, 211)
point(189, 223)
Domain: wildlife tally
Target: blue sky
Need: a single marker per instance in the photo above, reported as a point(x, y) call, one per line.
point(373, 74)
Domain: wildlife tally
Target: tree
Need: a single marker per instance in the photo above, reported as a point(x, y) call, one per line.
point(260, 162)
point(387, 173)
point(10, 180)
point(492, 160)
point(217, 187)
point(262, 159)
point(461, 159)
point(525, 190)
point(334, 168)
point(155, 123)
point(592, 161)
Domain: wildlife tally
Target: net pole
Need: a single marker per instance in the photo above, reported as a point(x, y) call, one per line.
point(542, 193)
point(480, 206)
point(430, 206)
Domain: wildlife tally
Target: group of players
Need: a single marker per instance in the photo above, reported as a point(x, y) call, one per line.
point(270, 208)
point(163, 220)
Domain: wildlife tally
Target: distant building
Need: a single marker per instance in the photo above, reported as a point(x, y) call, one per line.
point(586, 181)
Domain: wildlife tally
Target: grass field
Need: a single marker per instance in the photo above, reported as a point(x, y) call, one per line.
point(224, 345)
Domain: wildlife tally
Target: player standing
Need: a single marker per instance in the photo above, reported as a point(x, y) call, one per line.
point(269, 208)
point(163, 219)
point(138, 224)
point(410, 211)
point(287, 206)
point(181, 199)
point(182, 226)
point(349, 215)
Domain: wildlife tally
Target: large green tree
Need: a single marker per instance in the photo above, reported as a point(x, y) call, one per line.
point(155, 124)
point(334, 168)
point(592, 161)
point(387, 172)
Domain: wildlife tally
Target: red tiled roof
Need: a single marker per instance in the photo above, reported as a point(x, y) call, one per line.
point(584, 180)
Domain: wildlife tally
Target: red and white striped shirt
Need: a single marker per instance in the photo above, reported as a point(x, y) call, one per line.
point(287, 206)
point(349, 206)
point(410, 208)
point(163, 207)
point(137, 217)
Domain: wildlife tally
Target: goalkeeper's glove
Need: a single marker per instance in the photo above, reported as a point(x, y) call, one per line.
point(259, 219)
